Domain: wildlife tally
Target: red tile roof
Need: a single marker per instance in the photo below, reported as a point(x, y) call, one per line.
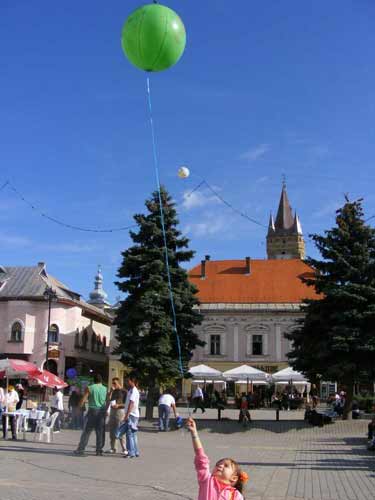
point(269, 281)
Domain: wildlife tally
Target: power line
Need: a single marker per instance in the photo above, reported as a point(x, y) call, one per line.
point(62, 223)
point(229, 205)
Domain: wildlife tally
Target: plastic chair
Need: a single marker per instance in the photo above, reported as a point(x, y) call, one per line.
point(45, 427)
point(21, 425)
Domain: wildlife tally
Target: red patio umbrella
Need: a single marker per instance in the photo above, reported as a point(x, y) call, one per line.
point(17, 368)
point(49, 379)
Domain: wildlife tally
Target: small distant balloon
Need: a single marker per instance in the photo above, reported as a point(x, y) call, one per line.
point(183, 172)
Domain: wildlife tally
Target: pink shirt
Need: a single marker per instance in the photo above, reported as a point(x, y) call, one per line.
point(209, 487)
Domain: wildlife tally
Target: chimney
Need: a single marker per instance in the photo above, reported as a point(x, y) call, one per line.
point(203, 269)
point(247, 265)
point(42, 265)
point(207, 257)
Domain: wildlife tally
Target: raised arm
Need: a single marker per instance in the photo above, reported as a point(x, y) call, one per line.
point(201, 462)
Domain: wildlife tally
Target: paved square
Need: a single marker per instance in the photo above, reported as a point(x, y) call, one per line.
point(285, 460)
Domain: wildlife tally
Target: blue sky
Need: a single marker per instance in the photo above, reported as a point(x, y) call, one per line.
point(263, 89)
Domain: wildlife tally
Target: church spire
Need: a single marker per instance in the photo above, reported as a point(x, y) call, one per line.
point(98, 297)
point(284, 218)
point(284, 236)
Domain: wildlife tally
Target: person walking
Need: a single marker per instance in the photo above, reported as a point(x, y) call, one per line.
point(166, 402)
point(57, 406)
point(96, 395)
point(130, 422)
point(117, 398)
point(198, 399)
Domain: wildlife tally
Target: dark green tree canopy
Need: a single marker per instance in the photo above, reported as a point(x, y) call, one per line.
point(337, 336)
point(147, 339)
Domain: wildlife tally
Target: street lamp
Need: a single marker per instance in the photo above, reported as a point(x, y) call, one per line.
point(50, 295)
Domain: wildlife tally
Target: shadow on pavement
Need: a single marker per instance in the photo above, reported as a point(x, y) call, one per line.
point(230, 426)
point(350, 454)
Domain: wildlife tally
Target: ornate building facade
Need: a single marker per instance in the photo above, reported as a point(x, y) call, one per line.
point(79, 332)
point(248, 305)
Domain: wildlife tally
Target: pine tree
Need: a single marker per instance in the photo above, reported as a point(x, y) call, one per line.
point(147, 340)
point(336, 339)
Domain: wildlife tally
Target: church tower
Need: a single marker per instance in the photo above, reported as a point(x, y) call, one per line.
point(98, 297)
point(284, 237)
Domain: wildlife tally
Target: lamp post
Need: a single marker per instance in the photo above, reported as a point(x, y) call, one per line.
point(50, 295)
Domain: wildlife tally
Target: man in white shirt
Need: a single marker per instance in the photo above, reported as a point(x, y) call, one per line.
point(198, 399)
point(166, 402)
point(131, 418)
point(57, 405)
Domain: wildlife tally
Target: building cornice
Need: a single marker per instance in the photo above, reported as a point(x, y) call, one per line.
point(266, 307)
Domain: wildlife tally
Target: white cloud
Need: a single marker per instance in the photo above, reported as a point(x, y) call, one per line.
point(207, 228)
point(197, 199)
point(255, 153)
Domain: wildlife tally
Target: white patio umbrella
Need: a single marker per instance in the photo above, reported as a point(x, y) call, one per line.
point(246, 372)
point(205, 372)
point(287, 375)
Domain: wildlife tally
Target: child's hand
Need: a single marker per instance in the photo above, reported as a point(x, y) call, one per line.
point(191, 425)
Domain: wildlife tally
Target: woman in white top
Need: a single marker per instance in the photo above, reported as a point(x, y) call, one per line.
point(10, 401)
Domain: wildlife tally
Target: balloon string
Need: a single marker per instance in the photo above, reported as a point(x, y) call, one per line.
point(156, 167)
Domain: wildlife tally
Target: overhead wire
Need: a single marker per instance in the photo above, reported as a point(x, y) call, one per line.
point(60, 222)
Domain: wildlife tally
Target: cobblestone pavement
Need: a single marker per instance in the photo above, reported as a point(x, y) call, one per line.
point(285, 460)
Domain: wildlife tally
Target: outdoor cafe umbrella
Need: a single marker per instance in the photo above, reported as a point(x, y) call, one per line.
point(17, 368)
point(287, 375)
point(205, 373)
point(49, 379)
point(246, 372)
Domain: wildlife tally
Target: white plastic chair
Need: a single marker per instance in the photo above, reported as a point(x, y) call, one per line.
point(21, 425)
point(45, 427)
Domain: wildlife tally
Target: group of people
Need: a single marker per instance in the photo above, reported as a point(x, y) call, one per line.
point(121, 406)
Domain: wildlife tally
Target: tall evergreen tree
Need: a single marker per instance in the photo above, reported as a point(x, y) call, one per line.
point(336, 339)
point(147, 340)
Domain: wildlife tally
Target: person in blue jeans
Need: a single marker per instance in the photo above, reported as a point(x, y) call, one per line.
point(130, 422)
point(166, 402)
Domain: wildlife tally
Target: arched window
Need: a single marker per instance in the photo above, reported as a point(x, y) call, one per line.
point(16, 332)
point(53, 333)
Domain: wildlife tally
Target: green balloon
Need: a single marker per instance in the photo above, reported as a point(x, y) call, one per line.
point(153, 37)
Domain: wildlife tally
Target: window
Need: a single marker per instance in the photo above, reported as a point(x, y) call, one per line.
point(16, 332)
point(257, 345)
point(53, 333)
point(215, 344)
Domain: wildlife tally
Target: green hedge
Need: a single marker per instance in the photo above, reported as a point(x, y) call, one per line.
point(365, 403)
